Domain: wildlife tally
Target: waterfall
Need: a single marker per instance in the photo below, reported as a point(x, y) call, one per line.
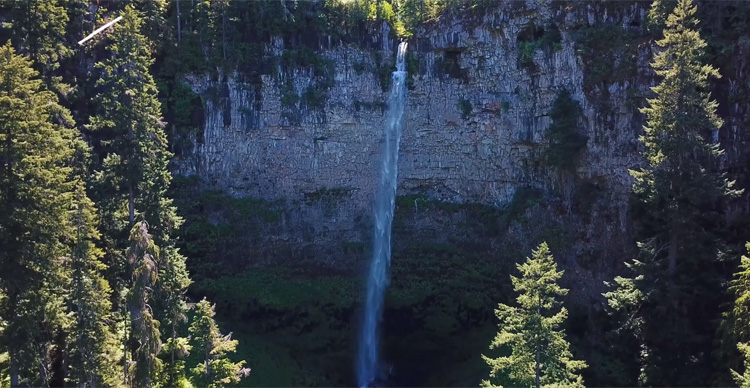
point(377, 281)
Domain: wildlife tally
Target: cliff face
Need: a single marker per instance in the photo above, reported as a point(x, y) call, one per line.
point(478, 108)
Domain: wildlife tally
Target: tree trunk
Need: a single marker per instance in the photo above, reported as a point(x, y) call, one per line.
point(672, 257)
point(125, 350)
point(13, 369)
point(208, 366)
point(131, 204)
point(536, 366)
point(224, 33)
point(43, 373)
point(59, 360)
point(173, 373)
point(179, 25)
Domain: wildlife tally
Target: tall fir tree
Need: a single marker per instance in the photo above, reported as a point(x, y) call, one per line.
point(743, 380)
point(735, 327)
point(215, 369)
point(94, 352)
point(134, 175)
point(36, 146)
point(539, 353)
point(145, 340)
point(670, 303)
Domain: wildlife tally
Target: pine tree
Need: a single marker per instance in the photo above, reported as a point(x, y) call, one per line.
point(94, 353)
point(539, 354)
point(36, 145)
point(143, 256)
point(669, 304)
point(216, 370)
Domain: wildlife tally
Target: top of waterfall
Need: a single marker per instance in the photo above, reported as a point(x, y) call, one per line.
point(401, 56)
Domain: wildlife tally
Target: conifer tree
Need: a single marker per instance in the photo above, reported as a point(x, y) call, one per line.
point(743, 380)
point(669, 303)
point(36, 145)
point(565, 143)
point(539, 354)
point(215, 370)
point(134, 175)
point(176, 349)
point(94, 353)
point(143, 256)
point(38, 30)
point(736, 323)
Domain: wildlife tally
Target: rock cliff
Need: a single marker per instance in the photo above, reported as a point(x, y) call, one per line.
point(481, 89)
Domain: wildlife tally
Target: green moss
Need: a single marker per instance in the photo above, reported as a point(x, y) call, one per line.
point(532, 37)
point(465, 107)
point(412, 68)
point(505, 106)
point(328, 195)
point(289, 97)
point(314, 97)
point(609, 54)
point(278, 289)
point(524, 198)
point(218, 230)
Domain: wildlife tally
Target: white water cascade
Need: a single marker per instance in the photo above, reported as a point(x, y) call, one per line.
point(368, 368)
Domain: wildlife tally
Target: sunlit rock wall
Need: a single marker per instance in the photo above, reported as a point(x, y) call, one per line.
point(474, 133)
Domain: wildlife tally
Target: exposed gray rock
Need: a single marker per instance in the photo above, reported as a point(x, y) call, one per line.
point(255, 146)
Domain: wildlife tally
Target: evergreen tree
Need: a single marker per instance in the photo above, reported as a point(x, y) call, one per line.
point(38, 30)
point(565, 143)
point(36, 144)
point(134, 175)
point(143, 256)
point(539, 354)
point(215, 370)
point(669, 304)
point(743, 380)
point(94, 353)
point(176, 349)
point(736, 323)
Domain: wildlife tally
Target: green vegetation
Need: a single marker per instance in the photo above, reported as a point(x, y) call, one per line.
point(94, 291)
point(735, 323)
point(565, 141)
point(215, 370)
point(539, 353)
point(609, 54)
point(669, 301)
point(533, 37)
point(523, 198)
point(37, 145)
point(328, 195)
point(94, 352)
point(464, 106)
point(87, 233)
